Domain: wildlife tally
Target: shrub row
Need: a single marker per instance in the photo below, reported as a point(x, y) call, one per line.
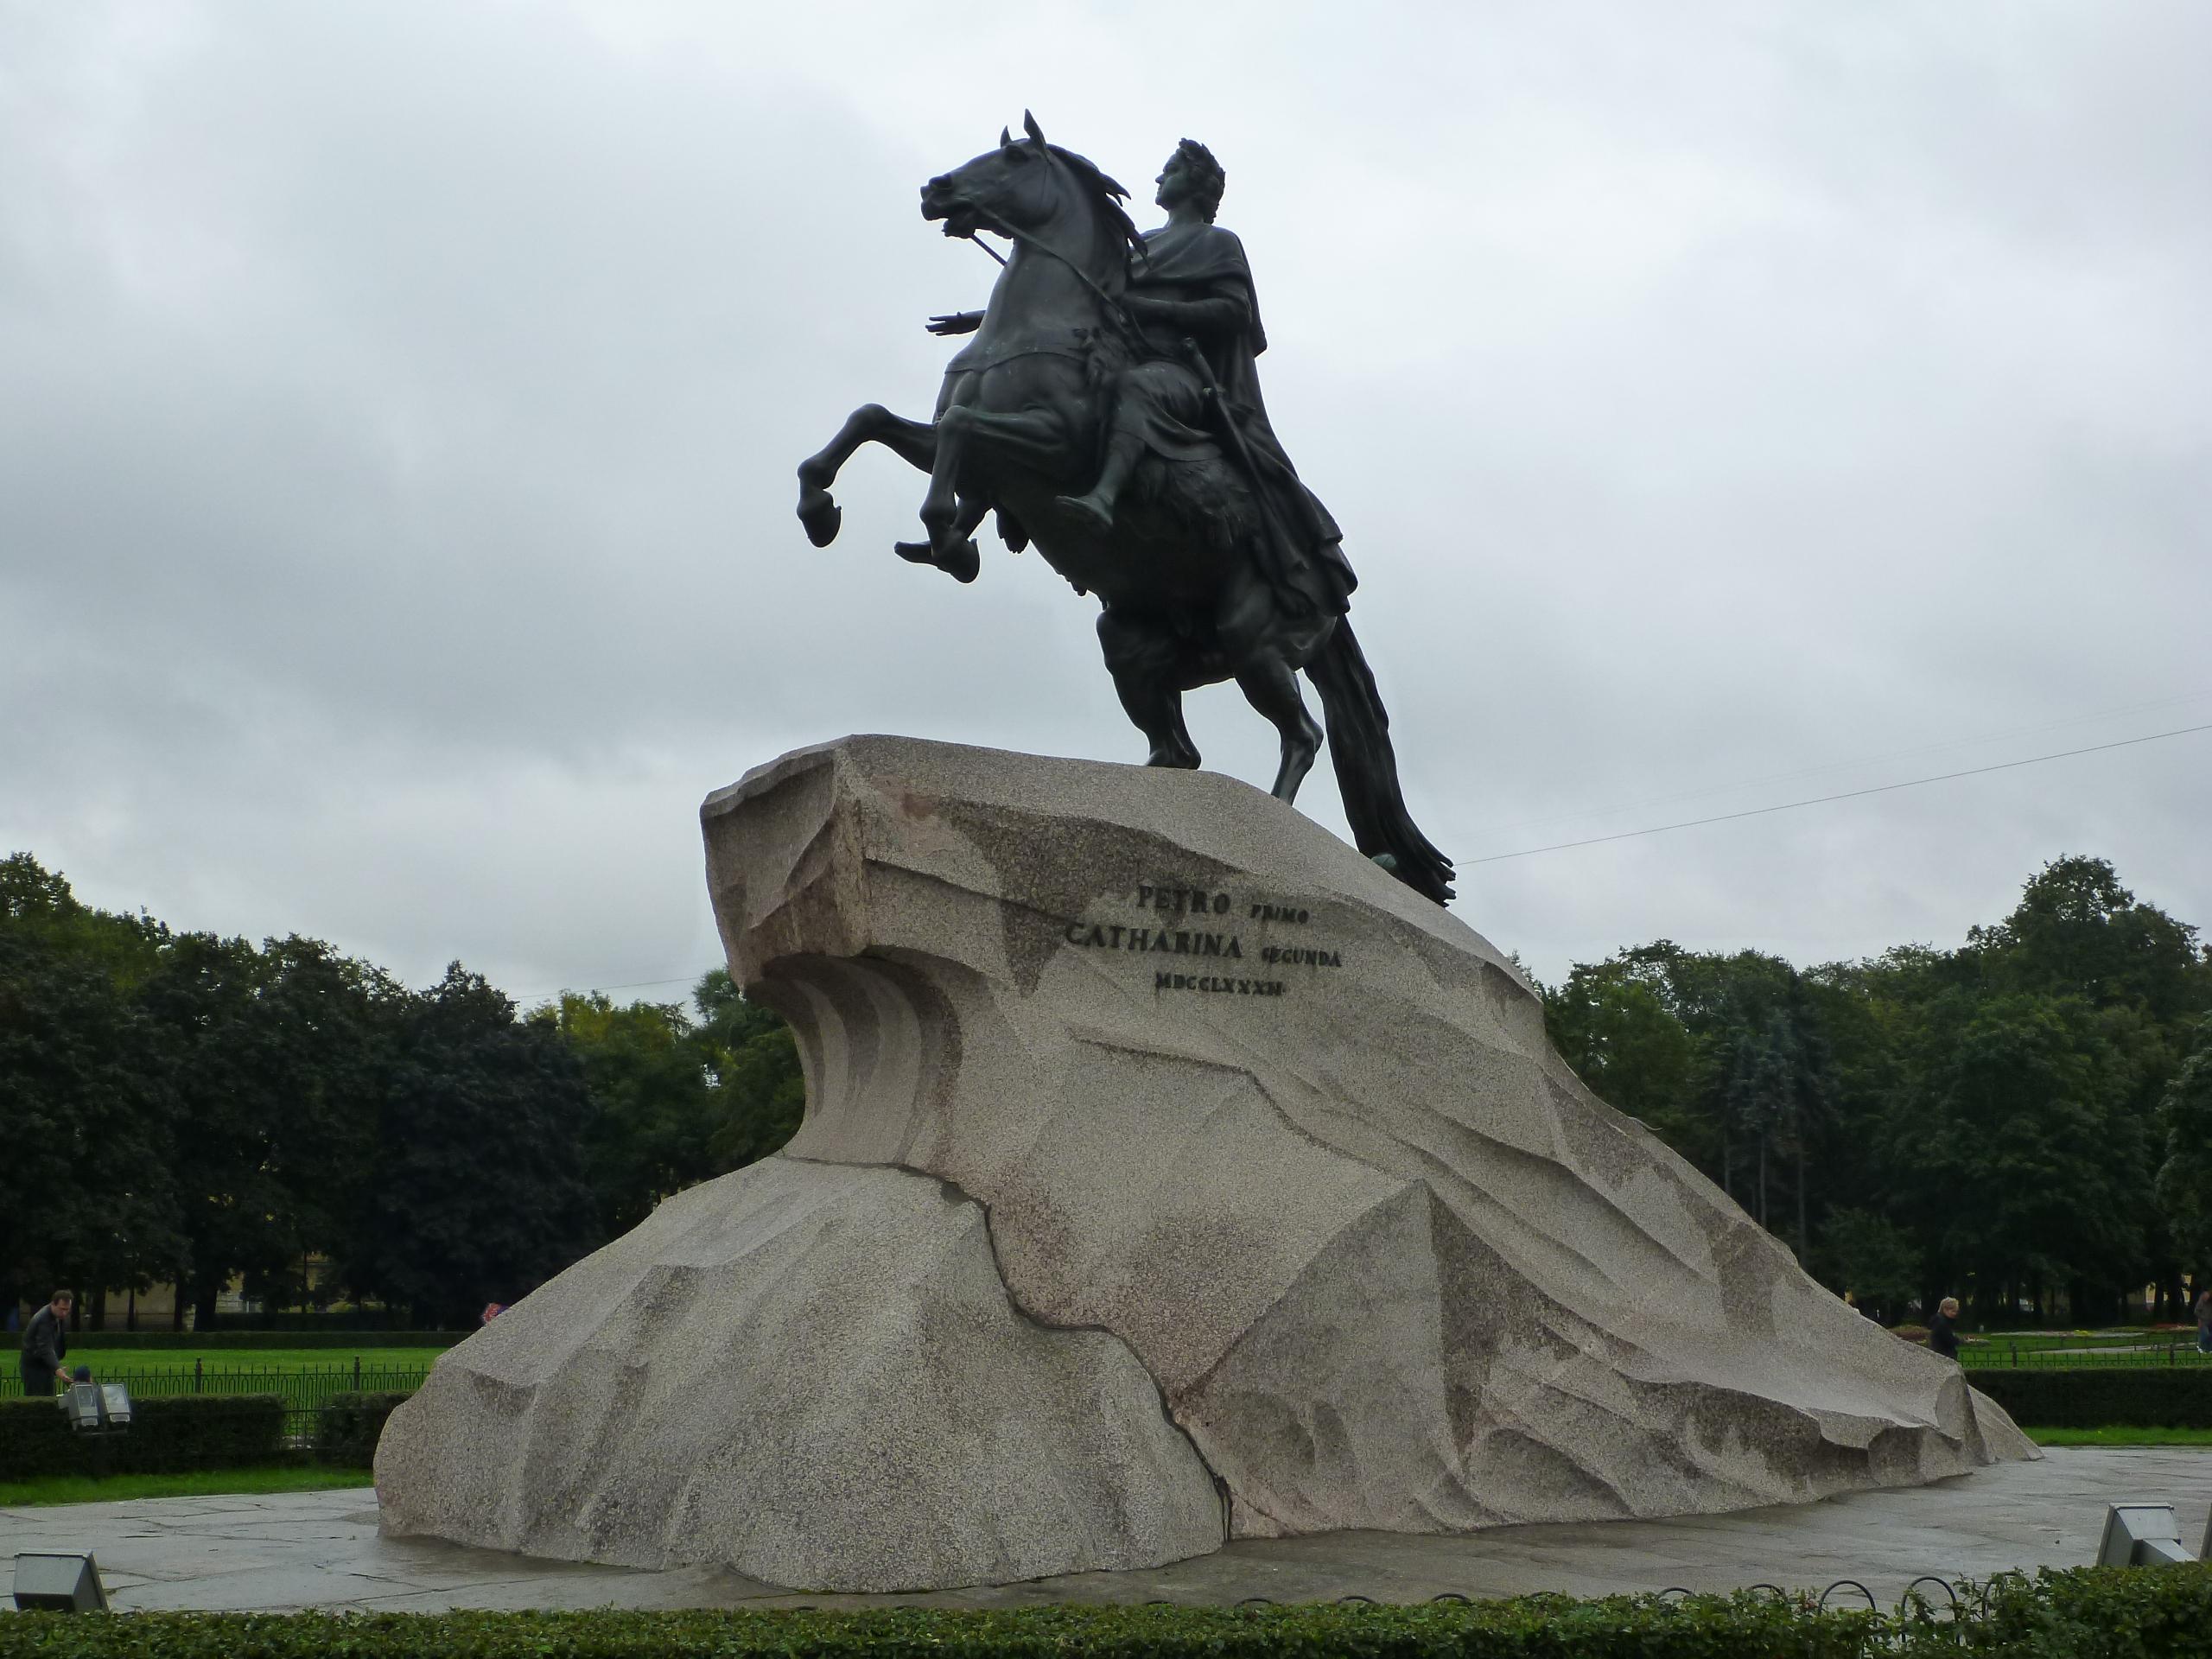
point(166, 1435)
point(348, 1427)
point(2086, 1613)
point(214, 1340)
point(2141, 1397)
point(198, 1431)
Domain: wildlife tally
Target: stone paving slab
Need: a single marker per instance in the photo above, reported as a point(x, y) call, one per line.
point(321, 1549)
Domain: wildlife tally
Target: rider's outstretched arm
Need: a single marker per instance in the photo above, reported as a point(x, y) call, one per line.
point(956, 322)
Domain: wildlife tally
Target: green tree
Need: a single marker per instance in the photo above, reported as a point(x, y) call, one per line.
point(654, 1107)
point(1873, 1258)
point(1623, 1041)
point(2185, 1173)
point(2015, 1151)
point(87, 1123)
point(2077, 931)
point(760, 1091)
point(85, 1111)
point(476, 1192)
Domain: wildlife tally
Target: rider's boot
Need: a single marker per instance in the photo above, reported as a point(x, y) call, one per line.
point(1096, 508)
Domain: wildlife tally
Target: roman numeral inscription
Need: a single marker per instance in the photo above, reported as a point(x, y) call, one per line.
point(1195, 921)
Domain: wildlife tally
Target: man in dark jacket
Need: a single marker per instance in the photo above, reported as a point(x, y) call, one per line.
point(46, 1340)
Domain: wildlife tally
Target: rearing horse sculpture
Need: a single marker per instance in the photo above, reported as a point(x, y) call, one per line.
point(1211, 561)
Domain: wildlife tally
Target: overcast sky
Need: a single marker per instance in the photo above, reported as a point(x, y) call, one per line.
point(1726, 404)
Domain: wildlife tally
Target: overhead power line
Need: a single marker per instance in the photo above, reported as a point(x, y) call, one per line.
point(1846, 795)
point(1591, 841)
point(629, 985)
point(1844, 766)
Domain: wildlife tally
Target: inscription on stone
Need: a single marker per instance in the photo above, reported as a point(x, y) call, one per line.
point(1197, 921)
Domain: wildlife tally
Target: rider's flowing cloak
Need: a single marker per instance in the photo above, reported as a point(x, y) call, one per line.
point(1192, 262)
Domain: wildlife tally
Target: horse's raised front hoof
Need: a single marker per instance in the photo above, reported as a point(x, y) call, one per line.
point(820, 515)
point(961, 561)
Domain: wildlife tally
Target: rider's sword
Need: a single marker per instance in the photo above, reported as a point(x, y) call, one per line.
point(1277, 540)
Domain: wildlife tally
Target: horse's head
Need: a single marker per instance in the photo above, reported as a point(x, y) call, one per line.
point(1023, 185)
point(1009, 186)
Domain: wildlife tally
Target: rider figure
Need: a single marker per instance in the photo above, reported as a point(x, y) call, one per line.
point(1195, 283)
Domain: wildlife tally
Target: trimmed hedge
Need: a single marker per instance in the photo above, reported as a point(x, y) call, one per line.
point(196, 1430)
point(2086, 1613)
point(349, 1425)
point(2149, 1396)
point(213, 1339)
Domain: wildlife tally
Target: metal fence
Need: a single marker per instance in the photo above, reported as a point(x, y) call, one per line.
point(1997, 1352)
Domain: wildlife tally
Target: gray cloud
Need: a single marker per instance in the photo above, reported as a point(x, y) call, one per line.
point(401, 402)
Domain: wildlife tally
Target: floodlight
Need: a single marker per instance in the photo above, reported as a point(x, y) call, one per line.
point(2141, 1534)
point(59, 1584)
point(80, 1403)
point(96, 1408)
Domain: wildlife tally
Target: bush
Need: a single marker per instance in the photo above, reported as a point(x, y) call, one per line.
point(2087, 1613)
point(349, 1425)
point(166, 1434)
point(2145, 1397)
point(210, 1340)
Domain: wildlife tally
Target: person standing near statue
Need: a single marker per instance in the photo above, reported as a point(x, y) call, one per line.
point(45, 1341)
point(1943, 1329)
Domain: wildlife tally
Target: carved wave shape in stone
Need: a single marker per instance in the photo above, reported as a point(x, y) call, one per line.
point(1285, 1144)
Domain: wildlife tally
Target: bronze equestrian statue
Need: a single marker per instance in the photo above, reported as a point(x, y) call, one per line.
point(1109, 410)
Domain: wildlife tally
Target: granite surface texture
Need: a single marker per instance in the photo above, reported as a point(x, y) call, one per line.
point(1169, 1173)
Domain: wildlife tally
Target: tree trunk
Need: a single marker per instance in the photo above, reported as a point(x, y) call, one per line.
point(100, 1310)
point(1804, 1245)
point(203, 1307)
point(130, 1311)
point(1761, 1177)
point(176, 1301)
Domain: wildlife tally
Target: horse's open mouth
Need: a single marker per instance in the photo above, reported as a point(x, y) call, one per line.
point(960, 218)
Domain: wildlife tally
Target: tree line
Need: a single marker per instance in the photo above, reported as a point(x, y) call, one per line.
point(2026, 1118)
point(183, 1108)
point(2024, 1122)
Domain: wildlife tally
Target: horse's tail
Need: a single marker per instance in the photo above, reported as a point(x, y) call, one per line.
point(1367, 768)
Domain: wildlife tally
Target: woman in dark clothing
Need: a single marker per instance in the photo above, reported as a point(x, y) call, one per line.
point(1943, 1329)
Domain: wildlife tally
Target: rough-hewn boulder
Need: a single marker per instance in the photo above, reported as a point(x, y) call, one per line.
point(1244, 1129)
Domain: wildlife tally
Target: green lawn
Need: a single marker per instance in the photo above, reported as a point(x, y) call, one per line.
point(199, 1482)
point(2121, 1436)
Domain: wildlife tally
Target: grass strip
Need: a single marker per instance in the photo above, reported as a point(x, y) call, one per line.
point(192, 1483)
point(2119, 1434)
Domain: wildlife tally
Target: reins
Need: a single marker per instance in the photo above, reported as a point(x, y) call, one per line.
point(1114, 310)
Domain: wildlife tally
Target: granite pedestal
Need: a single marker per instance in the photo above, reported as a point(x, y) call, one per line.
point(1170, 1174)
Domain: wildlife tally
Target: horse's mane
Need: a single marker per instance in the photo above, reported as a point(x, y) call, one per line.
point(1105, 194)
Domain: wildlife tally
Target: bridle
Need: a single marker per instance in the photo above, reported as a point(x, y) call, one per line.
point(1116, 311)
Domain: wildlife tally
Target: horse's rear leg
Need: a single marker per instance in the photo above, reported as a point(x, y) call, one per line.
point(1253, 638)
point(1146, 660)
point(1270, 685)
point(913, 442)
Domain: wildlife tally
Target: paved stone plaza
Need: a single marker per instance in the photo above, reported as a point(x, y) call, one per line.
point(320, 1550)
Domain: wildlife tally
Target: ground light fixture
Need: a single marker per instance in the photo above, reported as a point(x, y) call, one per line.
point(2141, 1534)
point(59, 1584)
point(96, 1408)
